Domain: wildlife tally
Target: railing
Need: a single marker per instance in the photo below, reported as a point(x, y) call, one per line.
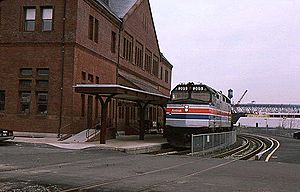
point(282, 132)
point(265, 108)
point(94, 131)
point(204, 143)
point(62, 130)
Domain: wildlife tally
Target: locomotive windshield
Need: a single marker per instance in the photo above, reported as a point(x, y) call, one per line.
point(180, 95)
point(202, 96)
point(191, 92)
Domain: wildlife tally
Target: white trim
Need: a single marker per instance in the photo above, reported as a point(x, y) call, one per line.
point(117, 86)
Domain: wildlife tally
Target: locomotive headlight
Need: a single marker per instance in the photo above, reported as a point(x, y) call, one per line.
point(186, 108)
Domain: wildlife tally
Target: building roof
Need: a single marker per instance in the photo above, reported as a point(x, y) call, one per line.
point(118, 7)
point(165, 60)
point(141, 84)
point(122, 92)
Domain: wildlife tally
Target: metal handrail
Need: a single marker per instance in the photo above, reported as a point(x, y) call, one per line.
point(87, 133)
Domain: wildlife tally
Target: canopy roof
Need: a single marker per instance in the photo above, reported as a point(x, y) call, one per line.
point(122, 92)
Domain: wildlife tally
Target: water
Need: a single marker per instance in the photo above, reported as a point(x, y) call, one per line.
point(292, 123)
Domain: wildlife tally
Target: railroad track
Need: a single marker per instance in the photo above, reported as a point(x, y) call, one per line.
point(251, 145)
point(266, 154)
point(254, 147)
point(171, 151)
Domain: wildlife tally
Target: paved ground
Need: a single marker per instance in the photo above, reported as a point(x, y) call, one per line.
point(38, 167)
point(289, 150)
point(128, 144)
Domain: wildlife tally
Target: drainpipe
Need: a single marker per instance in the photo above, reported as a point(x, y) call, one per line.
point(62, 70)
point(117, 72)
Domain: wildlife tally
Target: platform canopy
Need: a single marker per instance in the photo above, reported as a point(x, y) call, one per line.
point(122, 92)
point(109, 91)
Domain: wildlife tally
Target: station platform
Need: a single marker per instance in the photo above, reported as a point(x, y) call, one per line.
point(128, 144)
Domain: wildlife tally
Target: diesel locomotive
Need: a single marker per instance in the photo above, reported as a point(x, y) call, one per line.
point(195, 109)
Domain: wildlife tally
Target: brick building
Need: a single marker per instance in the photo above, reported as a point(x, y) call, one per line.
point(48, 46)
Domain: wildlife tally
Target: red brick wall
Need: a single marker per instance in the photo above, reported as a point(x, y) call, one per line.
point(96, 66)
point(39, 49)
point(106, 26)
point(12, 22)
point(134, 25)
point(11, 60)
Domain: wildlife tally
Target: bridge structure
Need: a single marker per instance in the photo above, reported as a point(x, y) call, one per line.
point(242, 110)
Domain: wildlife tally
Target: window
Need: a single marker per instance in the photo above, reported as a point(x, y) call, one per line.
point(127, 48)
point(83, 76)
point(148, 61)
point(139, 54)
point(120, 112)
point(2, 100)
point(123, 112)
point(43, 72)
point(201, 96)
point(25, 84)
point(90, 78)
point(26, 72)
point(93, 29)
point(42, 103)
point(25, 100)
point(166, 76)
point(0, 17)
point(161, 73)
point(178, 95)
point(97, 80)
point(82, 105)
point(42, 83)
point(155, 66)
point(47, 18)
point(96, 107)
point(145, 23)
point(96, 30)
point(30, 14)
point(113, 41)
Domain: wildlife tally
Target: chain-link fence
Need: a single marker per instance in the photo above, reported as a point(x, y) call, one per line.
point(268, 131)
point(204, 143)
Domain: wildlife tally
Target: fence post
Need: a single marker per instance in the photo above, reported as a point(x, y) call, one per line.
point(203, 143)
point(192, 145)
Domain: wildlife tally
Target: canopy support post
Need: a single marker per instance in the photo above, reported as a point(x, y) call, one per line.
point(104, 114)
point(143, 107)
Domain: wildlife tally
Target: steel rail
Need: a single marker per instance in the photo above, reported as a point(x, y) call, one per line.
point(253, 144)
point(270, 155)
point(259, 155)
point(260, 147)
point(232, 151)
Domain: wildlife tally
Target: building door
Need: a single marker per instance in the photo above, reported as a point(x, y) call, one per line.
point(90, 112)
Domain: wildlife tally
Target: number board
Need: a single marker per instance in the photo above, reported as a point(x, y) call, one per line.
point(181, 88)
point(190, 88)
point(198, 88)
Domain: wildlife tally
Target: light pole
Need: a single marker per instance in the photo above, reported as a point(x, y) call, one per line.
point(266, 124)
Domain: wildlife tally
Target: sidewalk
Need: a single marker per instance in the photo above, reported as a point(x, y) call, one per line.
point(127, 144)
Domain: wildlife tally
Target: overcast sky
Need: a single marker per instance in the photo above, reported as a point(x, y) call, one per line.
point(238, 44)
